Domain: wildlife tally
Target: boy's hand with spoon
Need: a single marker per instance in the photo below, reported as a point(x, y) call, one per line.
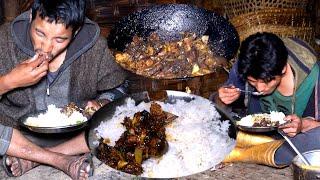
point(228, 94)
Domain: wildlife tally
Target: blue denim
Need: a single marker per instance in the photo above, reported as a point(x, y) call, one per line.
point(5, 138)
point(304, 142)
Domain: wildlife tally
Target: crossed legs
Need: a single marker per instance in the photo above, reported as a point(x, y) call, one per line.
point(26, 155)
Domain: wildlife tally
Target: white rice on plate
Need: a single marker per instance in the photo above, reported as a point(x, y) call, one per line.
point(274, 116)
point(197, 139)
point(54, 118)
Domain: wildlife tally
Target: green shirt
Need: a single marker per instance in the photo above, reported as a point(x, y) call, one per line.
point(300, 98)
point(277, 102)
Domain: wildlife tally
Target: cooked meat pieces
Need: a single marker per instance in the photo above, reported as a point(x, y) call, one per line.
point(144, 138)
point(187, 57)
point(264, 121)
point(70, 108)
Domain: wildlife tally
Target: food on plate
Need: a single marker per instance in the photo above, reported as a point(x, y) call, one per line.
point(197, 139)
point(57, 117)
point(70, 109)
point(144, 138)
point(263, 119)
point(188, 57)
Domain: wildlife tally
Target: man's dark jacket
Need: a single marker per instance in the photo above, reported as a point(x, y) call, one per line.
point(89, 68)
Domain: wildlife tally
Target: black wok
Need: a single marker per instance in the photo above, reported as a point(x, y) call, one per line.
point(170, 20)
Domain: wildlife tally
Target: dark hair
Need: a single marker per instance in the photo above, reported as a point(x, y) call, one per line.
point(69, 12)
point(262, 56)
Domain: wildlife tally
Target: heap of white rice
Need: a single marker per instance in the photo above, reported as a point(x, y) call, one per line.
point(54, 118)
point(274, 116)
point(197, 139)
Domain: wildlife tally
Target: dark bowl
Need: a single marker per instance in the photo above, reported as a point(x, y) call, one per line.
point(304, 172)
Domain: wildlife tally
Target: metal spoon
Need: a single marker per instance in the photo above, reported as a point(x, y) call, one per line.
point(245, 91)
point(293, 147)
point(251, 92)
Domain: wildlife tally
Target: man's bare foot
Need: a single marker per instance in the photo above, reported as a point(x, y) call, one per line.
point(19, 166)
point(80, 167)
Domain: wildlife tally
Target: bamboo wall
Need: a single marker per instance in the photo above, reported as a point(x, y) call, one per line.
point(107, 12)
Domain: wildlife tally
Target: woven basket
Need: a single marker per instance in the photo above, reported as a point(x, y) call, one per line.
point(274, 16)
point(305, 33)
point(283, 22)
point(234, 8)
point(214, 5)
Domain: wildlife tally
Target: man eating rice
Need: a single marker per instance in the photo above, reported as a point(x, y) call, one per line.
point(286, 71)
point(77, 67)
point(14, 144)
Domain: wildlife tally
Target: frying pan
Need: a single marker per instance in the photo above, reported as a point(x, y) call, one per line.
point(170, 20)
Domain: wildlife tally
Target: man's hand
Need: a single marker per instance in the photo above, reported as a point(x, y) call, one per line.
point(296, 125)
point(293, 125)
point(228, 94)
point(94, 105)
point(25, 74)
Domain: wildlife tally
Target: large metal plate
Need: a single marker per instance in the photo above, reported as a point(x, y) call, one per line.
point(106, 113)
point(51, 130)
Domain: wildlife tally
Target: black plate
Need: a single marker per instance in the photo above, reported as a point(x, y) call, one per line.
point(257, 129)
point(250, 128)
point(51, 130)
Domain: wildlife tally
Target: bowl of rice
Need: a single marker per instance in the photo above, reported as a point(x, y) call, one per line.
point(54, 121)
point(199, 138)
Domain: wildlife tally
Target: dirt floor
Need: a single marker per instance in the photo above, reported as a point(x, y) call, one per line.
point(229, 171)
